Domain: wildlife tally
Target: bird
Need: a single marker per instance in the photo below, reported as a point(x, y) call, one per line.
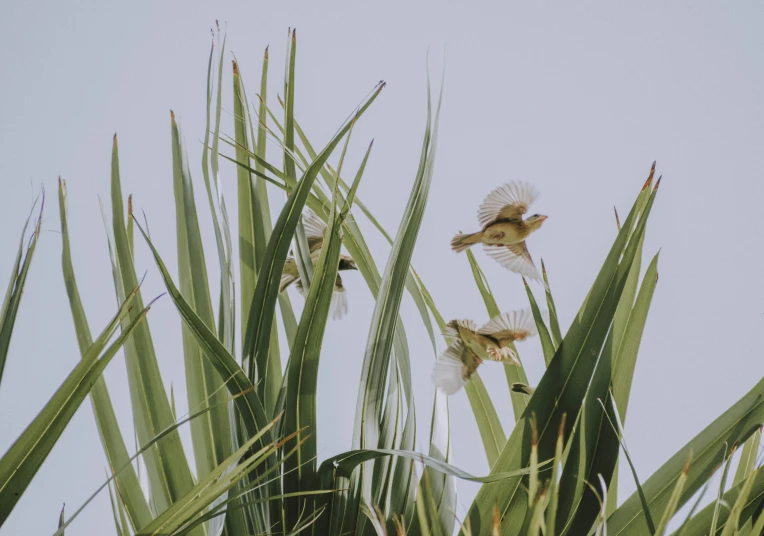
point(314, 232)
point(504, 230)
point(472, 345)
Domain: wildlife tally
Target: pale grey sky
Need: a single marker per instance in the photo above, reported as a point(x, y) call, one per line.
point(577, 100)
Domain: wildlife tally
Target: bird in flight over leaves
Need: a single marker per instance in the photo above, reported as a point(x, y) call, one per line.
point(472, 345)
point(504, 230)
point(315, 228)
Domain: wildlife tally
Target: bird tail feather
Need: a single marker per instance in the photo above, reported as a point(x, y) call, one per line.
point(461, 242)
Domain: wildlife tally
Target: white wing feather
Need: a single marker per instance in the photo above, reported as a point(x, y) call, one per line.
point(339, 304)
point(450, 331)
point(447, 372)
point(285, 281)
point(513, 194)
point(510, 260)
point(515, 321)
point(314, 225)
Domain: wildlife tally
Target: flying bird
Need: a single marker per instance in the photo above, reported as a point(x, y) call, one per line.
point(504, 230)
point(314, 232)
point(472, 345)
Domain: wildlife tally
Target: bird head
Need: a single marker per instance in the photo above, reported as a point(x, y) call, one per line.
point(346, 263)
point(536, 220)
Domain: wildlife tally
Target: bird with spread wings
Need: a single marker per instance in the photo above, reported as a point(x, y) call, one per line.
point(315, 229)
point(471, 345)
point(503, 229)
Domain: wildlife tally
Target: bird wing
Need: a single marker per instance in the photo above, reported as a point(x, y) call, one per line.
point(513, 325)
point(286, 280)
point(507, 202)
point(452, 328)
point(515, 258)
point(339, 304)
point(314, 229)
point(447, 374)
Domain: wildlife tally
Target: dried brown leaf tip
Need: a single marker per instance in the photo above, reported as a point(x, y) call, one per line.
point(617, 219)
point(114, 140)
point(649, 180)
point(129, 205)
point(400, 528)
point(525, 282)
point(172, 117)
point(543, 268)
point(235, 68)
point(266, 52)
point(657, 183)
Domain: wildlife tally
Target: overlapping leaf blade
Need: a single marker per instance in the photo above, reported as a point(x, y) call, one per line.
point(562, 388)
point(167, 467)
point(708, 449)
point(514, 373)
point(602, 441)
point(376, 365)
point(15, 289)
point(127, 485)
point(211, 433)
point(302, 369)
point(258, 332)
point(24, 458)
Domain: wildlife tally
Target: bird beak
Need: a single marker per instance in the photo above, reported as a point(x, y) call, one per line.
point(543, 218)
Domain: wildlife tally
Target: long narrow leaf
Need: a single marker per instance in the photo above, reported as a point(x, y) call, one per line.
point(563, 386)
point(168, 470)
point(18, 278)
point(23, 459)
point(258, 332)
point(128, 487)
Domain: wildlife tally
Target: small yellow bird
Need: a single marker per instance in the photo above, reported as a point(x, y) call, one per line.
point(314, 232)
point(504, 230)
point(472, 345)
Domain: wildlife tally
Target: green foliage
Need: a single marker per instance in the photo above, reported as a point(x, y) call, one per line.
point(254, 430)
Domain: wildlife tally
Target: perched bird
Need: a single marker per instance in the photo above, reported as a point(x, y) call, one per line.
point(472, 345)
point(504, 230)
point(314, 232)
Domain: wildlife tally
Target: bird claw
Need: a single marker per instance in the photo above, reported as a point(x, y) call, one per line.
point(503, 354)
